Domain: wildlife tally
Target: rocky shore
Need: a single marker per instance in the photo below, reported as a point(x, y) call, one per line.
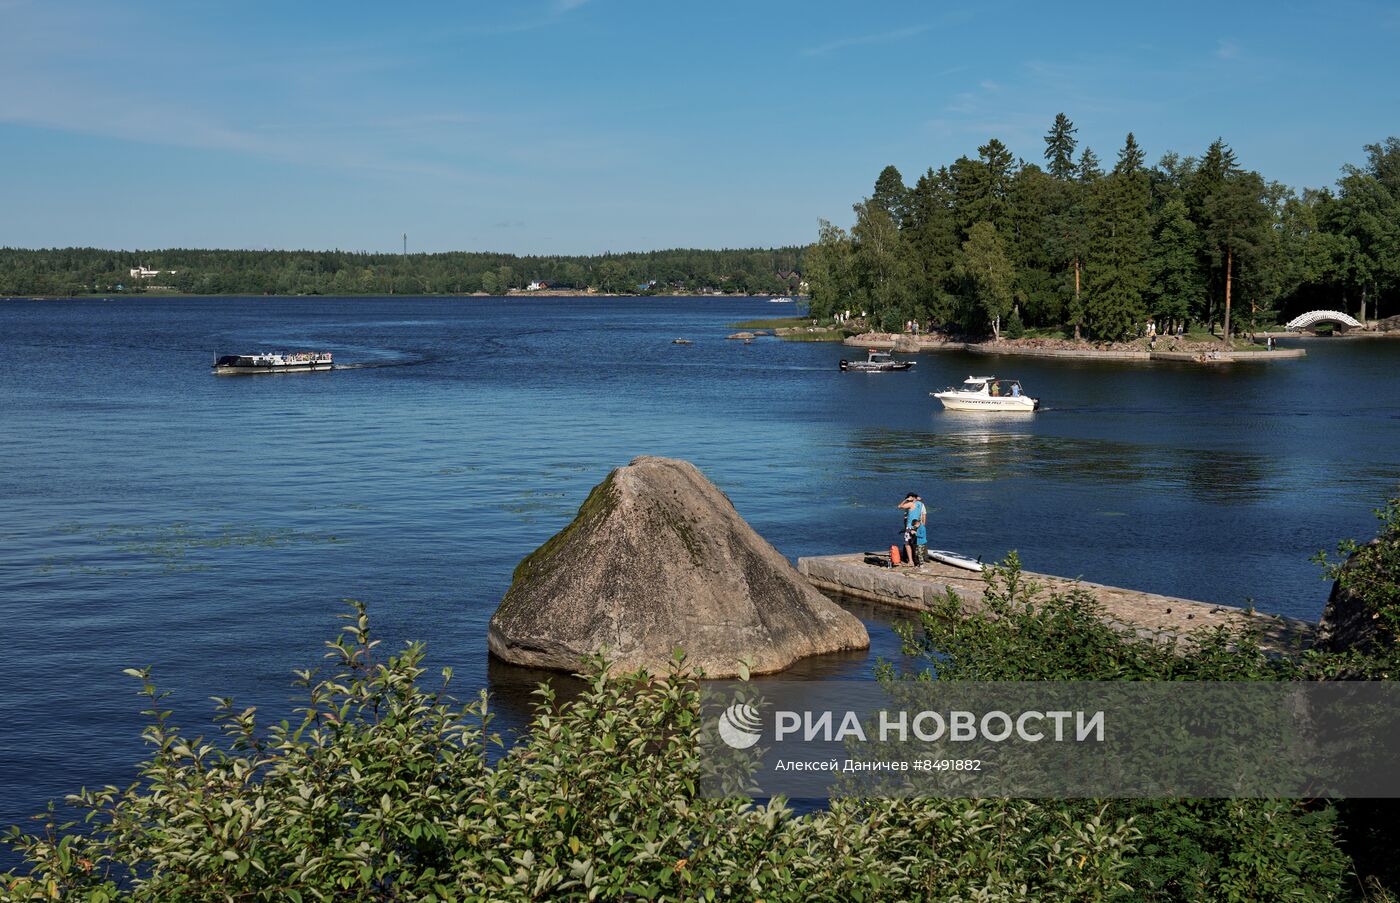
point(1167, 348)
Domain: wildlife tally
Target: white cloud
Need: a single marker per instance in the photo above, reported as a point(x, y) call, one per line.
point(857, 40)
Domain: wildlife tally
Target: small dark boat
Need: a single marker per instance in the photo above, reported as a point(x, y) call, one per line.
point(876, 362)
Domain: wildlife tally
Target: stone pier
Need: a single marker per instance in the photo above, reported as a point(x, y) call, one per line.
point(867, 576)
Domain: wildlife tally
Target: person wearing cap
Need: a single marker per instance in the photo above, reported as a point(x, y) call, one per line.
point(921, 537)
point(914, 517)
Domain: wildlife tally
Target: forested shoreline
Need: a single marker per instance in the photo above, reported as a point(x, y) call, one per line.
point(85, 271)
point(996, 245)
point(986, 245)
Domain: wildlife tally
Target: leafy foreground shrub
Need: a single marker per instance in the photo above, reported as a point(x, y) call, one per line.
point(1371, 574)
point(382, 790)
point(1186, 849)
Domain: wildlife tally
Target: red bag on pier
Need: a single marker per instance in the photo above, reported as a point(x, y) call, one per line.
point(894, 556)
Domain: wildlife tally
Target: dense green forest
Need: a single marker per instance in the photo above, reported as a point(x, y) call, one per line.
point(996, 245)
point(81, 271)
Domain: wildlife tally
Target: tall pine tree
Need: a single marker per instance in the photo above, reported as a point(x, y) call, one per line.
point(1120, 228)
point(984, 187)
point(1059, 148)
point(891, 195)
point(1235, 218)
point(932, 239)
point(1176, 273)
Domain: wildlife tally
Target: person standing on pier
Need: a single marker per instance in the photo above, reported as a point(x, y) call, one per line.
point(915, 518)
point(921, 535)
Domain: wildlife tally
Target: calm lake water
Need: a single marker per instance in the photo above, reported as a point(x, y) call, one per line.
point(151, 513)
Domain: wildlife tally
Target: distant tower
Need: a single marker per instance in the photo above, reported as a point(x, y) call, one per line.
point(405, 244)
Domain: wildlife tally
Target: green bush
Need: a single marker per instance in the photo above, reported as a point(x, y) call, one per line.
point(1373, 575)
point(1188, 850)
point(1015, 326)
point(382, 790)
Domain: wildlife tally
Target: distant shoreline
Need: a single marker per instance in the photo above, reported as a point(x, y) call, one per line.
point(549, 293)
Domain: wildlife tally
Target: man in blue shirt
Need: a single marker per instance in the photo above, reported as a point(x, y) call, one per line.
point(921, 539)
point(915, 535)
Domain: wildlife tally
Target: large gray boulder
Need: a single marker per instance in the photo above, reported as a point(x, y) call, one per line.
point(657, 559)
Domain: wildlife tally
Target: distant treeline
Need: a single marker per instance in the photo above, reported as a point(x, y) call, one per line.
point(997, 244)
point(80, 271)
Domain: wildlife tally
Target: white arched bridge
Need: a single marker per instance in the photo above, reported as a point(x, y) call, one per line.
point(1315, 318)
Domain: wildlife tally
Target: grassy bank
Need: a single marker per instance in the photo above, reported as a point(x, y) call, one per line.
point(824, 335)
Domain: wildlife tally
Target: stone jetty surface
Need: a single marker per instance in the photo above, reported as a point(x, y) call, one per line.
point(867, 575)
point(657, 559)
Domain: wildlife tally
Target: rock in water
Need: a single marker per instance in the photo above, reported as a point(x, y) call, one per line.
point(656, 559)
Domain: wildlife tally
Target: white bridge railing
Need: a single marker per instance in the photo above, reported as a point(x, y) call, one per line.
point(1314, 317)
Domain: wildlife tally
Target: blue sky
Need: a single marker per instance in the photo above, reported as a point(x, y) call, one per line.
point(581, 126)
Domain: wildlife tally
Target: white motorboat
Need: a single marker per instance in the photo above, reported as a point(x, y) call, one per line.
point(782, 300)
point(986, 393)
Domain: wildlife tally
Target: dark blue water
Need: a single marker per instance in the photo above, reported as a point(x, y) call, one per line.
point(151, 513)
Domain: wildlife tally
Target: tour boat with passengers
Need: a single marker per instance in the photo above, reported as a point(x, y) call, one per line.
point(267, 362)
point(987, 393)
point(876, 362)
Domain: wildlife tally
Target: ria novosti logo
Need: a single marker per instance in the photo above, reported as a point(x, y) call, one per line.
point(740, 725)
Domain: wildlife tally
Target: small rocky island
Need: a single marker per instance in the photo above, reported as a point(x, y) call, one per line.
point(658, 559)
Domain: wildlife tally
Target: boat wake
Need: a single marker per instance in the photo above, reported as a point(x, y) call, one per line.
point(377, 365)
